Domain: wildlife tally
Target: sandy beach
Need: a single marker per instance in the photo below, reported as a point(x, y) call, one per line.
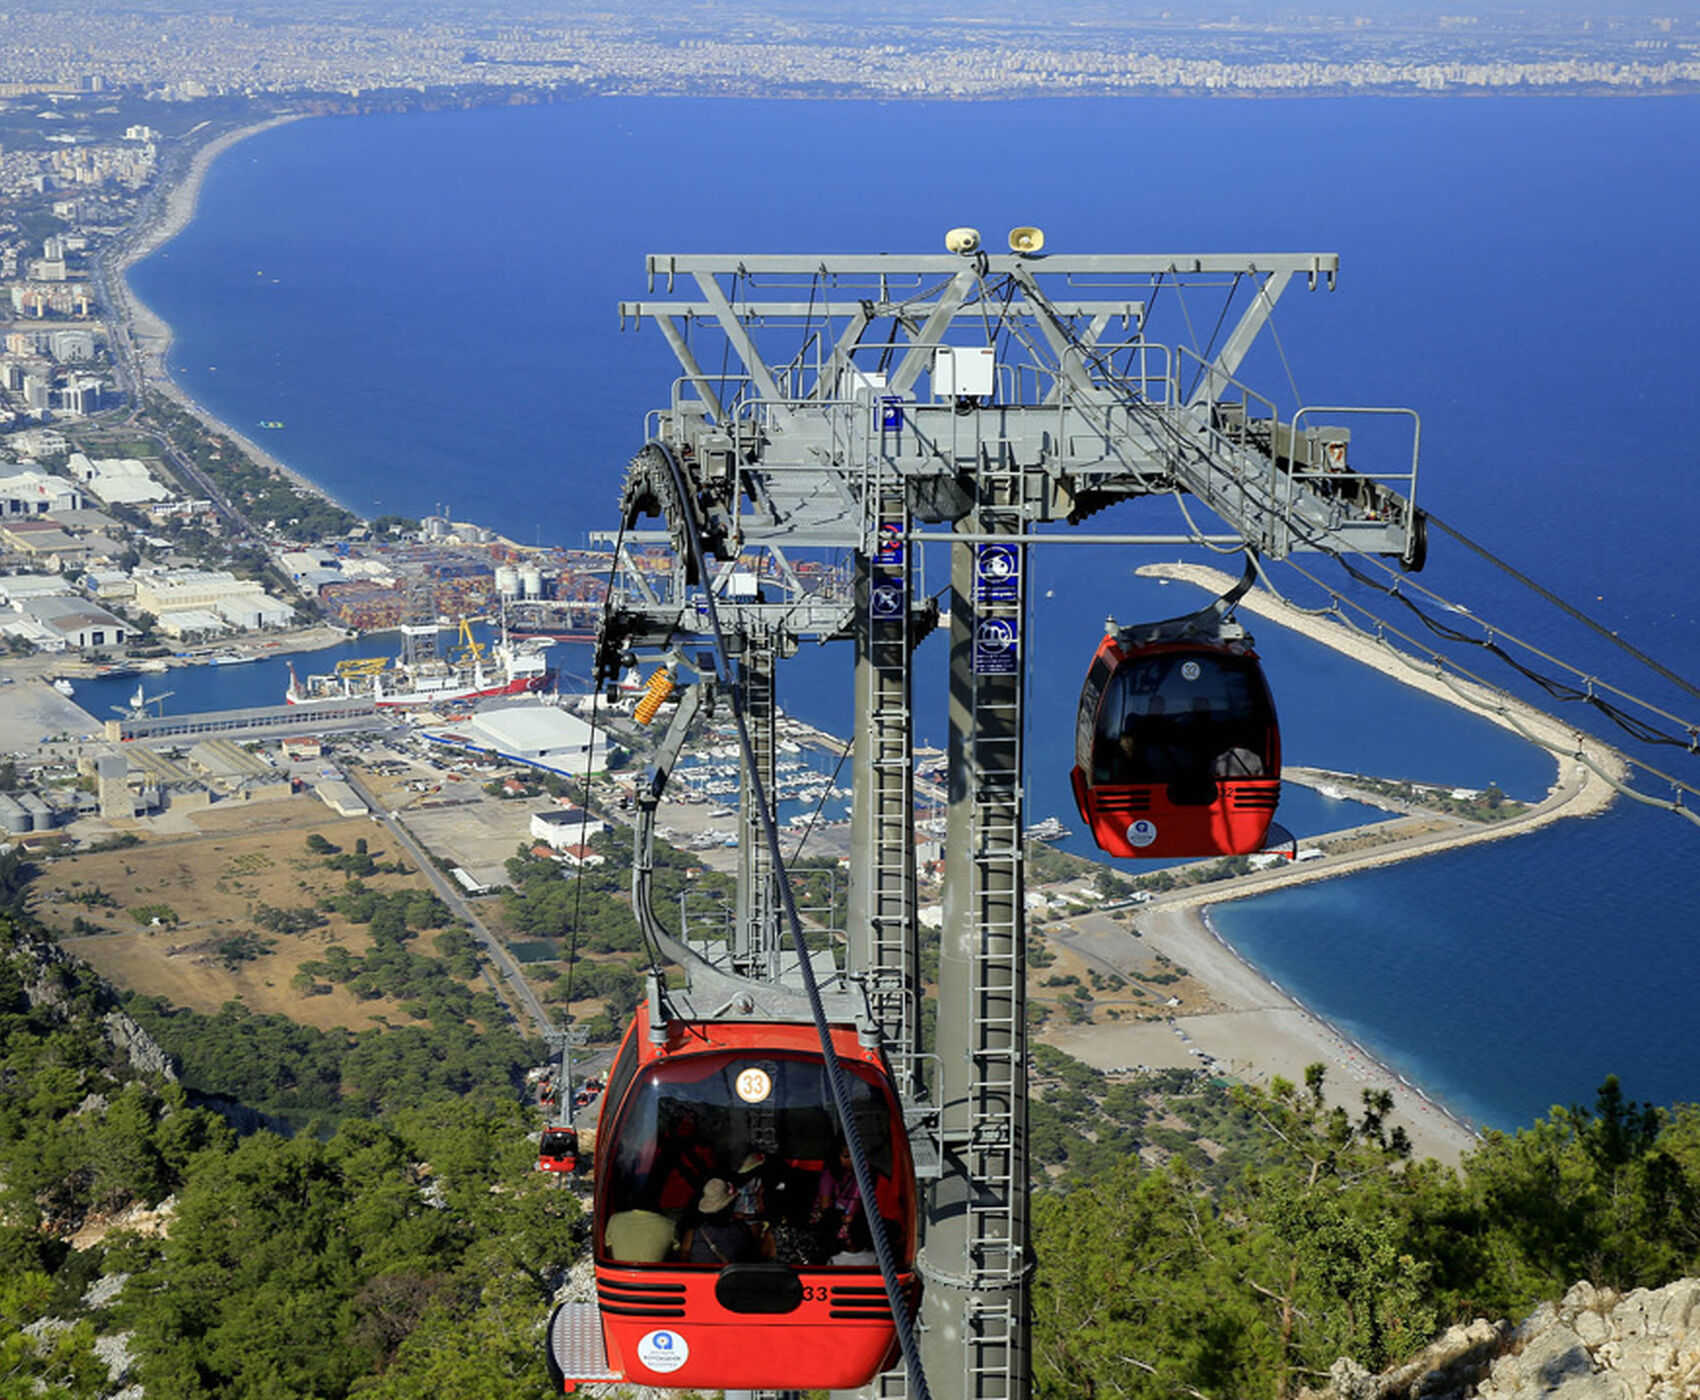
point(1253, 1027)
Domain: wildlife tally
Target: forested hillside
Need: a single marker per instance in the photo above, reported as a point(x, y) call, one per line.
point(1192, 1238)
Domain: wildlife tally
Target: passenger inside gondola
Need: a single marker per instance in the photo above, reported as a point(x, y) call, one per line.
point(718, 1236)
point(838, 1197)
point(702, 1174)
point(1180, 720)
point(687, 1162)
point(857, 1251)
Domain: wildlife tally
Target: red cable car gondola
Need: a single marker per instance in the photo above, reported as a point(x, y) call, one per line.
point(557, 1149)
point(732, 1248)
point(1177, 752)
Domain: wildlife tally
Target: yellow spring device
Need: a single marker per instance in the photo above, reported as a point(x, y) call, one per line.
point(659, 688)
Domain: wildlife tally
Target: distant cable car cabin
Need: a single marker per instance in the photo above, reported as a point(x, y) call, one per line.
point(1177, 751)
point(557, 1150)
point(732, 1246)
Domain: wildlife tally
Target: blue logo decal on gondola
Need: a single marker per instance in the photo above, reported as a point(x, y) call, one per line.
point(663, 1351)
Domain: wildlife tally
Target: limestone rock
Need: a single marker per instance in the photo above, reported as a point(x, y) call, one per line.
point(46, 980)
point(1593, 1344)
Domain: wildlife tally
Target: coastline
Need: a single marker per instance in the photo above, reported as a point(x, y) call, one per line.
point(149, 334)
point(1261, 1028)
point(1251, 1025)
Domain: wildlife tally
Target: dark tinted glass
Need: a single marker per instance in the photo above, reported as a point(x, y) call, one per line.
point(1177, 716)
point(711, 1142)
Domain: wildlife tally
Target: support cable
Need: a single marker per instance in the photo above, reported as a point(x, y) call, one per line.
point(1186, 315)
point(1441, 662)
point(1222, 315)
point(590, 750)
point(1280, 349)
point(1199, 537)
point(1586, 692)
point(1564, 607)
point(814, 816)
point(836, 1078)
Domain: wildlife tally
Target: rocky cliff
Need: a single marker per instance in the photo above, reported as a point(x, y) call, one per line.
point(51, 979)
point(1593, 1345)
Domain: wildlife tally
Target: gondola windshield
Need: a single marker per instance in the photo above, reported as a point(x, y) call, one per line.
point(558, 1143)
point(728, 1158)
point(1183, 718)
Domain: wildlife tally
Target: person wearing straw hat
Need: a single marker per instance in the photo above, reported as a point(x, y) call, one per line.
point(717, 1238)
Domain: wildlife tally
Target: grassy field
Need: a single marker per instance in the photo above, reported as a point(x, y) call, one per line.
point(176, 916)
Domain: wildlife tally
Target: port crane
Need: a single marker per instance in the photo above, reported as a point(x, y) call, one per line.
point(876, 407)
point(139, 703)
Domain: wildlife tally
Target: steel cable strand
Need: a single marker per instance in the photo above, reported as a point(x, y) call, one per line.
point(1280, 349)
point(1402, 582)
point(1198, 535)
point(814, 816)
point(1436, 669)
point(1637, 728)
point(1576, 613)
point(1582, 756)
point(1332, 610)
point(595, 701)
point(865, 1182)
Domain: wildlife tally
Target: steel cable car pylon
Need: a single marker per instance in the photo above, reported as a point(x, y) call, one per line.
point(1010, 391)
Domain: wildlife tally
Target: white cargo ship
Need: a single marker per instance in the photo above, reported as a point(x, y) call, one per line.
point(419, 678)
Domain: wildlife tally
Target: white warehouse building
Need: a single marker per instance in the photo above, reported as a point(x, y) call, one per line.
point(122, 479)
point(229, 601)
point(539, 736)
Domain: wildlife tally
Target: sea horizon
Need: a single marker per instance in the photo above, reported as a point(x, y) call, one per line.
point(219, 358)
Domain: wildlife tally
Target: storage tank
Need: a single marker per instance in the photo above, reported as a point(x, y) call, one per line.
point(40, 813)
point(531, 581)
point(507, 581)
point(14, 819)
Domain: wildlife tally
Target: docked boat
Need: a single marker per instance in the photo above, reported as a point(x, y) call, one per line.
point(1051, 829)
point(421, 679)
point(63, 685)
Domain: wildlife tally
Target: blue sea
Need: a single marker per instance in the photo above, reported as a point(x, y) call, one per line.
point(427, 303)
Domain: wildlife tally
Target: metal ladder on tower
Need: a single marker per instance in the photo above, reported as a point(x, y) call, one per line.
point(990, 1332)
point(997, 1148)
point(893, 979)
point(757, 941)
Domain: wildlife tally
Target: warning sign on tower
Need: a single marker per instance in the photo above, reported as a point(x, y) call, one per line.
point(997, 573)
point(997, 647)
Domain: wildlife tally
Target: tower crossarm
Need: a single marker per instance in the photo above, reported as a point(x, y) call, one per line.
point(840, 371)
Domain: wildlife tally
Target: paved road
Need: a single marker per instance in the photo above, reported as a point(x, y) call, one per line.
point(517, 992)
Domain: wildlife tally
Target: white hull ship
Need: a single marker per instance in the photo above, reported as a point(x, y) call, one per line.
point(419, 679)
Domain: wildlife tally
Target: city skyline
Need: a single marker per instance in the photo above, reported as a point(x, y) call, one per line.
point(891, 49)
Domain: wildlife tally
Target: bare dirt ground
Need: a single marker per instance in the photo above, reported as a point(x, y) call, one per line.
point(213, 882)
point(1097, 953)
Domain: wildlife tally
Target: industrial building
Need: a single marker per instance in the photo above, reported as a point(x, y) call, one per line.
point(124, 480)
point(538, 736)
point(564, 827)
point(32, 492)
point(207, 602)
point(58, 623)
